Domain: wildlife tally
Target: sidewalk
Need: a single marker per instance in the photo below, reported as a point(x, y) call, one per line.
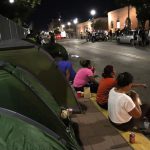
point(95, 131)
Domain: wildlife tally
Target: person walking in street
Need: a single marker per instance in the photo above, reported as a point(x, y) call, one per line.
point(143, 36)
point(110, 35)
point(93, 36)
point(135, 36)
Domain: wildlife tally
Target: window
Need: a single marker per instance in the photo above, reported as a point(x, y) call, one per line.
point(118, 23)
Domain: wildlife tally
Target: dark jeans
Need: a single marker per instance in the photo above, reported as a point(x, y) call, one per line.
point(93, 87)
point(104, 106)
point(79, 89)
point(124, 126)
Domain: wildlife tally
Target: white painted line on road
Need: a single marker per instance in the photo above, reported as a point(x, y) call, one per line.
point(133, 56)
point(76, 56)
point(120, 53)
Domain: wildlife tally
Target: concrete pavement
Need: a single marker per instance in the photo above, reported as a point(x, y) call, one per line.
point(95, 131)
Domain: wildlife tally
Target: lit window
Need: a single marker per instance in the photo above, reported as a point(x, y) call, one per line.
point(118, 24)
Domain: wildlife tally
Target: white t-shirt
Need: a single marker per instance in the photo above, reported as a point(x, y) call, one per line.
point(119, 104)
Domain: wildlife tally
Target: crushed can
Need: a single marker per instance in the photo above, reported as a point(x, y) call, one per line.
point(132, 137)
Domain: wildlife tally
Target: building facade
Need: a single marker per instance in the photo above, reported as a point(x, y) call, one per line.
point(118, 19)
point(81, 28)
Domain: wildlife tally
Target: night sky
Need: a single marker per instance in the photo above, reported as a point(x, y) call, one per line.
point(69, 9)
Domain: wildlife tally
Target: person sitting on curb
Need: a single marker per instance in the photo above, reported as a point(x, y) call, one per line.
point(65, 66)
point(85, 77)
point(105, 85)
point(124, 108)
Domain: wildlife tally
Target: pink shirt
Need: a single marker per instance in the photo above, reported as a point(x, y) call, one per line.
point(82, 77)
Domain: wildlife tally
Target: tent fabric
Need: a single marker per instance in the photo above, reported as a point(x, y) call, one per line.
point(43, 66)
point(16, 134)
point(17, 96)
point(35, 86)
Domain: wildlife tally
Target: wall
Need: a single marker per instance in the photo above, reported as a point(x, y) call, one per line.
point(82, 27)
point(121, 15)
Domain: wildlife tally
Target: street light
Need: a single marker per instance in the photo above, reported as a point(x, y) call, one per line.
point(63, 26)
point(11, 1)
point(69, 23)
point(69, 32)
point(75, 21)
point(93, 12)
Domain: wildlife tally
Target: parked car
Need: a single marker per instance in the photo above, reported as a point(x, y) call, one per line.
point(127, 37)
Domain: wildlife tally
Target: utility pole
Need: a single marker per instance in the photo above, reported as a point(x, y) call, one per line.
point(129, 21)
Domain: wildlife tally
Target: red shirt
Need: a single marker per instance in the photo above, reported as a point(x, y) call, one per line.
point(105, 85)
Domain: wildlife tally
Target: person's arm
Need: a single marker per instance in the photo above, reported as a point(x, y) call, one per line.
point(139, 85)
point(92, 79)
point(67, 74)
point(136, 111)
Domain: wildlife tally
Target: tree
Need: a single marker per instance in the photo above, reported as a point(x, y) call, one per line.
point(31, 3)
point(143, 14)
point(54, 25)
point(142, 9)
point(100, 25)
point(20, 10)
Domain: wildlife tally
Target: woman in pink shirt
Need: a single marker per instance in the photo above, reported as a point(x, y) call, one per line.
point(85, 77)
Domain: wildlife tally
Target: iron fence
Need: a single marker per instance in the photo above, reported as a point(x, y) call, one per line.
point(10, 30)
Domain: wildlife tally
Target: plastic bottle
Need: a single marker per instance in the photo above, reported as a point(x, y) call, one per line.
point(146, 123)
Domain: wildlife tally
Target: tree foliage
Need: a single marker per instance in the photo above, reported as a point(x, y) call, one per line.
point(142, 9)
point(30, 3)
point(19, 10)
point(100, 25)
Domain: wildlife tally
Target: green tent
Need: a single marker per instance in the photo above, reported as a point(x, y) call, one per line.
point(18, 132)
point(21, 92)
point(43, 66)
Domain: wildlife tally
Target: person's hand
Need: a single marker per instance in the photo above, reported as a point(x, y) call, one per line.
point(144, 85)
point(93, 69)
point(139, 85)
point(133, 95)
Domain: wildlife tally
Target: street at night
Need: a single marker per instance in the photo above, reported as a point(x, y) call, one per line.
point(74, 75)
point(135, 60)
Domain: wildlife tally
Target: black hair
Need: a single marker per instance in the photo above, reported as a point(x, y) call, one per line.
point(124, 79)
point(85, 63)
point(108, 70)
point(64, 56)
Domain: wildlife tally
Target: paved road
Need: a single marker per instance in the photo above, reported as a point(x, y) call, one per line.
point(135, 60)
